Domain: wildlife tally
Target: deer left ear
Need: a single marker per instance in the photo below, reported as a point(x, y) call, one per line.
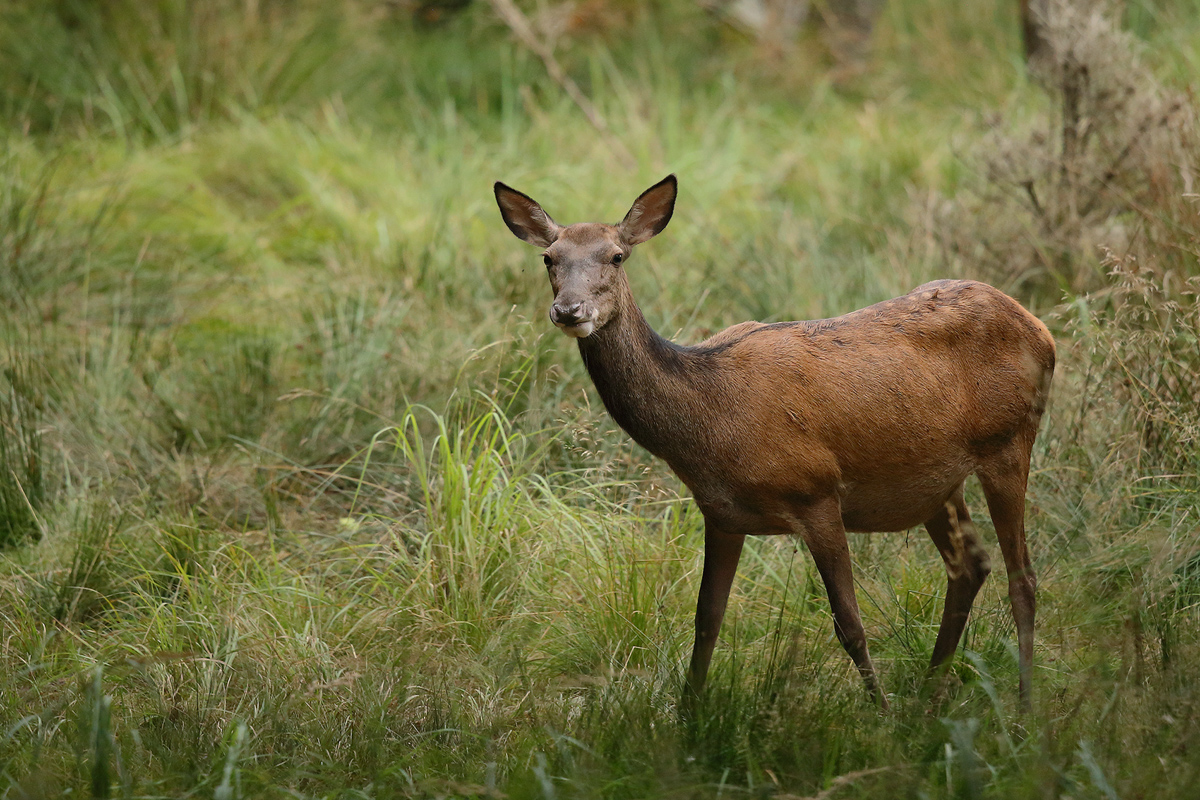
point(651, 212)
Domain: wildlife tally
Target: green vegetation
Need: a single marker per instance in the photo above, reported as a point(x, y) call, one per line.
point(302, 496)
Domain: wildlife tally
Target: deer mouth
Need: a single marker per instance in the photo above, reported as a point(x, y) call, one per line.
point(580, 330)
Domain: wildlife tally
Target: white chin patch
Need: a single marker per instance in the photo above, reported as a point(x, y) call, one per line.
point(580, 331)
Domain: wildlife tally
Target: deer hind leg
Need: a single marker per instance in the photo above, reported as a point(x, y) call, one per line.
point(1003, 478)
point(967, 567)
point(825, 536)
point(722, 551)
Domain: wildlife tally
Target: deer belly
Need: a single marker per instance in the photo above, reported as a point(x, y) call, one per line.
point(895, 505)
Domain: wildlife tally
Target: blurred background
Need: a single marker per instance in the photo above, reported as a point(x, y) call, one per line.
point(301, 494)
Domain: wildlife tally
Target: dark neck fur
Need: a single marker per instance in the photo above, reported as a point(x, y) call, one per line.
point(653, 388)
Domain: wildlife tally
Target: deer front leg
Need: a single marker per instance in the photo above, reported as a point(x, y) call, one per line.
point(722, 551)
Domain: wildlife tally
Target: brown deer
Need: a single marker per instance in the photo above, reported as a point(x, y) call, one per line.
point(866, 422)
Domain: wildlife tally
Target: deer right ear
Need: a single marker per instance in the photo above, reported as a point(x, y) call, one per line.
point(524, 217)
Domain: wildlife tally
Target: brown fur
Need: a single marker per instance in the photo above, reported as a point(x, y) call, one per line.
point(866, 422)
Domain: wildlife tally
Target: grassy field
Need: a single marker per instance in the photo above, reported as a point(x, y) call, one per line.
point(301, 494)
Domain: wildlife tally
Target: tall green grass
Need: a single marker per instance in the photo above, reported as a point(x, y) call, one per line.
point(302, 496)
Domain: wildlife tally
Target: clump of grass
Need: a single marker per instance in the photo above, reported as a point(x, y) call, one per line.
point(1126, 429)
point(45, 245)
point(158, 69)
point(91, 581)
point(474, 484)
point(357, 357)
point(96, 741)
point(1139, 341)
point(25, 486)
point(214, 384)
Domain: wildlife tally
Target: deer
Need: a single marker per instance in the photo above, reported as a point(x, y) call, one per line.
point(867, 422)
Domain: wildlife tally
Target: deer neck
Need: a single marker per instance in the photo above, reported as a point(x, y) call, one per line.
point(654, 389)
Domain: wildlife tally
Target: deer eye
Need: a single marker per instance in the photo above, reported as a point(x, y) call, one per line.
point(546, 260)
point(618, 258)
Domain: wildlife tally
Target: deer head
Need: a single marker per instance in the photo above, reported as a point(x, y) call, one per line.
point(585, 261)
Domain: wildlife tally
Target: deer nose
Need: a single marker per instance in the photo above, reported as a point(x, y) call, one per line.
point(569, 315)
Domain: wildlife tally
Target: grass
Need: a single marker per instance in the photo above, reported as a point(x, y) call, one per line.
point(301, 495)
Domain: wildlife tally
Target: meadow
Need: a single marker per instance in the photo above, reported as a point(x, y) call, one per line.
point(302, 495)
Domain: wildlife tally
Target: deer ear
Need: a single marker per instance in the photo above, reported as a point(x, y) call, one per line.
point(524, 217)
point(651, 212)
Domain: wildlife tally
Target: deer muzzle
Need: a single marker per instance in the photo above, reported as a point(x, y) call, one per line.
point(573, 319)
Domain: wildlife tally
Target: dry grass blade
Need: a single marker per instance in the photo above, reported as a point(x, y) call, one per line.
point(842, 781)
